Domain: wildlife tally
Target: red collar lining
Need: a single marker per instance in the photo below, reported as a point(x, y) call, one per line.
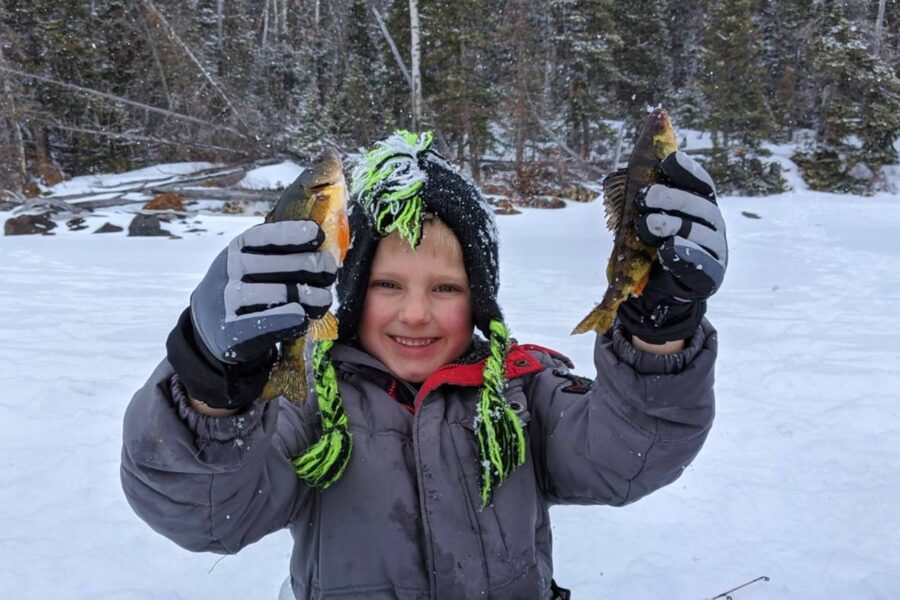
point(519, 362)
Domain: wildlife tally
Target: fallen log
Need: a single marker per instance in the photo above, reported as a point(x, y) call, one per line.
point(211, 194)
point(223, 194)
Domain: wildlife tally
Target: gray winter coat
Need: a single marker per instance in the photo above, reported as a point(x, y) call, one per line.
point(404, 520)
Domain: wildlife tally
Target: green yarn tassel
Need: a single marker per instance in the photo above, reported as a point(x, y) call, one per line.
point(388, 180)
point(324, 462)
point(498, 432)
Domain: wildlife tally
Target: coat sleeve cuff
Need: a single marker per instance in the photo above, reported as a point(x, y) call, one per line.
point(647, 363)
point(218, 384)
point(238, 426)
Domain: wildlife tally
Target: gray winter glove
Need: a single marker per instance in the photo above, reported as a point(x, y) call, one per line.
point(263, 289)
point(681, 218)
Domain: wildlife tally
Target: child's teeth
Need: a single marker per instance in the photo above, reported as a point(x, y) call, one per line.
point(409, 342)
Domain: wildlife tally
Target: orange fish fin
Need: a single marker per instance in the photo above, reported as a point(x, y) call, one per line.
point(614, 197)
point(343, 235)
point(639, 287)
point(325, 328)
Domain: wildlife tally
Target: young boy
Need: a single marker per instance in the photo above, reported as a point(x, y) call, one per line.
point(429, 457)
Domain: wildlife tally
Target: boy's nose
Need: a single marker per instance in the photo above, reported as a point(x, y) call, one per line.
point(415, 311)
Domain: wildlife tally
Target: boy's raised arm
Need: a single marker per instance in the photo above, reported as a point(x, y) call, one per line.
point(652, 404)
point(630, 432)
point(206, 483)
point(204, 461)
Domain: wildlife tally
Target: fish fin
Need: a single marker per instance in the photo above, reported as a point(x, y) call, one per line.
point(288, 378)
point(614, 197)
point(325, 328)
point(343, 237)
point(639, 287)
point(599, 319)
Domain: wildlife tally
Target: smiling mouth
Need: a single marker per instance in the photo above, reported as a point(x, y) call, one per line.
point(413, 342)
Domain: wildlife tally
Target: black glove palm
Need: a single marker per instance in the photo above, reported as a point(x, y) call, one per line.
point(681, 218)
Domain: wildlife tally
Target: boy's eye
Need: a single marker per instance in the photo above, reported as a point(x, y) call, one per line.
point(447, 288)
point(381, 283)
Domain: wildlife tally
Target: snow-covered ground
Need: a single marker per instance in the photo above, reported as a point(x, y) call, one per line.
point(799, 480)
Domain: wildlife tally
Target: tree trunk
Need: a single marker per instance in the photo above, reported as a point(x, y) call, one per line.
point(220, 38)
point(474, 158)
point(42, 163)
point(521, 84)
point(879, 28)
point(265, 24)
point(416, 59)
point(19, 143)
point(617, 155)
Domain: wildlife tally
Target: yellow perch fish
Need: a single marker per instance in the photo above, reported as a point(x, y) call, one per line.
point(320, 194)
point(631, 259)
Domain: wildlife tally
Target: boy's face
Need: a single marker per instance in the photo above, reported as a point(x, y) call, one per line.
point(417, 315)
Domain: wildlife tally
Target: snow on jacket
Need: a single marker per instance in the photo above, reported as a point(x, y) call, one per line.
point(404, 520)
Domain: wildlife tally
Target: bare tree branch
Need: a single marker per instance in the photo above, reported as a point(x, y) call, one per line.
point(143, 138)
point(162, 73)
point(170, 31)
point(121, 100)
point(392, 45)
point(564, 147)
point(548, 131)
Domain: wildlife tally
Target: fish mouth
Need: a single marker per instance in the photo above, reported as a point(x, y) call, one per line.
point(664, 142)
point(326, 170)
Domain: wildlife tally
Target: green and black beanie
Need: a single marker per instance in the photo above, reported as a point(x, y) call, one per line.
point(395, 185)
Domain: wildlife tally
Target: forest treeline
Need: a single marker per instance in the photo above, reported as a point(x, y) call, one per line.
point(117, 84)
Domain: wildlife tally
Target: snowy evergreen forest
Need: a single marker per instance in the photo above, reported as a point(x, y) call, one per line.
point(533, 88)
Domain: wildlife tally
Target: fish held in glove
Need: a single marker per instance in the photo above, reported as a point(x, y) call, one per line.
point(631, 259)
point(319, 194)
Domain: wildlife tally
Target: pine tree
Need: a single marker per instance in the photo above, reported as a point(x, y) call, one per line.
point(90, 46)
point(733, 76)
point(359, 113)
point(685, 27)
point(643, 56)
point(397, 87)
point(520, 74)
point(859, 94)
point(584, 43)
point(458, 49)
point(786, 26)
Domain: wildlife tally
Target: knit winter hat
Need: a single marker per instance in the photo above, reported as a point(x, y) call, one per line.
point(396, 184)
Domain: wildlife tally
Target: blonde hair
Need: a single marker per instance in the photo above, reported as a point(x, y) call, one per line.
point(437, 238)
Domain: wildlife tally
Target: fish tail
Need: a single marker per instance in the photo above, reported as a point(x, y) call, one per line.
point(600, 320)
point(325, 328)
point(288, 378)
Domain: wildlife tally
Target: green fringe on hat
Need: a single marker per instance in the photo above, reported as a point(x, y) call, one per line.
point(387, 182)
point(324, 462)
point(501, 440)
